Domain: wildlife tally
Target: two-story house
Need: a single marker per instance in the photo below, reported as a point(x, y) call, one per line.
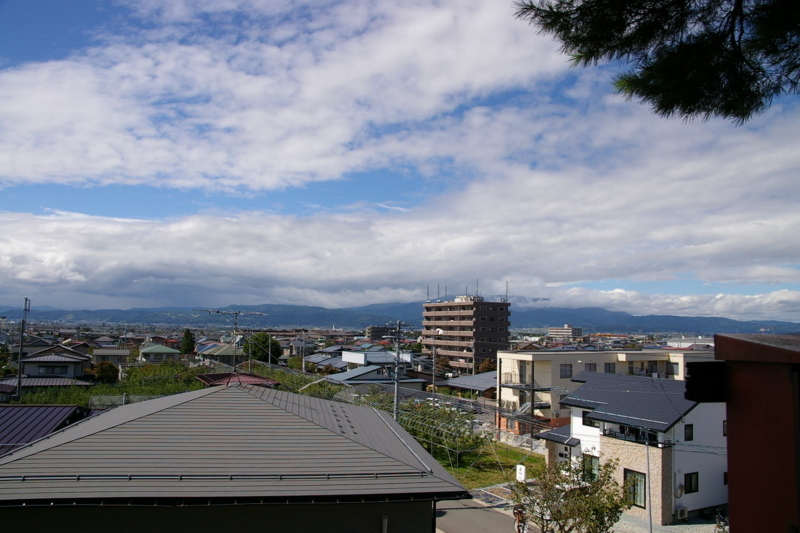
point(671, 451)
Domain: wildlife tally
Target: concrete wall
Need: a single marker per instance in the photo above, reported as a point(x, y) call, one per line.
point(633, 456)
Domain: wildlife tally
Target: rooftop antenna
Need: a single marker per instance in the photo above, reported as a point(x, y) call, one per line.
point(506, 298)
point(438, 294)
point(477, 288)
point(26, 307)
point(445, 292)
point(235, 321)
point(428, 298)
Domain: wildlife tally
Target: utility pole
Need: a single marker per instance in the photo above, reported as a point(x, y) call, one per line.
point(26, 307)
point(396, 409)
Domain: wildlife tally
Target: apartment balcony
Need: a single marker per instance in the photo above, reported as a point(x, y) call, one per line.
point(448, 323)
point(427, 314)
point(512, 380)
point(638, 437)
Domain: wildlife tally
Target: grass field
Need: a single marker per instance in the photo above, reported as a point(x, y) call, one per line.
point(495, 464)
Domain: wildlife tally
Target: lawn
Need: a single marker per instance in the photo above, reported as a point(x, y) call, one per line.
point(495, 464)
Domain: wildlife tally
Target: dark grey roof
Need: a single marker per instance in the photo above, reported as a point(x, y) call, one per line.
point(56, 358)
point(655, 404)
point(45, 382)
point(225, 443)
point(560, 435)
point(479, 382)
point(22, 424)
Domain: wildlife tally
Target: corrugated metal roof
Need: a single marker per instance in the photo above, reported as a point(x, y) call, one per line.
point(479, 382)
point(229, 378)
point(56, 358)
point(226, 442)
point(22, 424)
point(46, 382)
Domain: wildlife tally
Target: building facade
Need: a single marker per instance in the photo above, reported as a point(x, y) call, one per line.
point(466, 330)
point(531, 384)
point(568, 332)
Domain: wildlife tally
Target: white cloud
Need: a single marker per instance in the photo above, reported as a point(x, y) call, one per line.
point(551, 180)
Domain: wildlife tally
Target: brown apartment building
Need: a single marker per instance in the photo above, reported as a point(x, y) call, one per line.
point(466, 330)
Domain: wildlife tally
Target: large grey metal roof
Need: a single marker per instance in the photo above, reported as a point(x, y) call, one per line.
point(23, 424)
point(654, 404)
point(479, 382)
point(226, 442)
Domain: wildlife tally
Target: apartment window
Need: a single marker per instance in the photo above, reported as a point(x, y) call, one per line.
point(691, 482)
point(483, 319)
point(511, 424)
point(636, 487)
point(491, 308)
point(501, 319)
point(501, 329)
point(561, 399)
point(483, 308)
point(483, 329)
point(491, 339)
point(483, 350)
point(483, 339)
point(588, 421)
point(688, 432)
point(565, 370)
point(590, 367)
point(724, 428)
point(491, 329)
point(610, 368)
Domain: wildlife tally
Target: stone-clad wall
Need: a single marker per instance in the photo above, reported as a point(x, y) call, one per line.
point(633, 456)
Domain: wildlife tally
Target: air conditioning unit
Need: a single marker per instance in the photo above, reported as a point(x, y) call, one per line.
point(682, 513)
point(556, 414)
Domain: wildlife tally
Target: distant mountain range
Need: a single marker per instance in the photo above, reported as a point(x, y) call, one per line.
point(591, 319)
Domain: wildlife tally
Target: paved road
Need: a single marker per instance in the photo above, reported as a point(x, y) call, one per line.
point(469, 516)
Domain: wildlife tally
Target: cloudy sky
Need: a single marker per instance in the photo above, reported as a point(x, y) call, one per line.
point(217, 152)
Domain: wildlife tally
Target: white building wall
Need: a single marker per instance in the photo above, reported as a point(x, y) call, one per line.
point(706, 454)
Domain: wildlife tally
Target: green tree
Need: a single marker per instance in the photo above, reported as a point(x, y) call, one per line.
point(263, 347)
point(106, 372)
point(187, 342)
point(579, 496)
point(487, 365)
point(690, 58)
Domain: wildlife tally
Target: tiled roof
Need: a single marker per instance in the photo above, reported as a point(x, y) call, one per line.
point(224, 443)
point(654, 404)
point(157, 348)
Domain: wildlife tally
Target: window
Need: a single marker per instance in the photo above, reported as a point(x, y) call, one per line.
point(491, 308)
point(483, 308)
point(483, 329)
point(588, 421)
point(591, 467)
point(636, 487)
point(610, 368)
point(483, 339)
point(672, 369)
point(566, 370)
point(501, 329)
point(511, 424)
point(501, 319)
point(52, 369)
point(590, 367)
point(483, 319)
point(688, 432)
point(691, 482)
point(652, 367)
point(724, 428)
point(630, 368)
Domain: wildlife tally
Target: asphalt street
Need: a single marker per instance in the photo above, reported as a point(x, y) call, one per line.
point(470, 516)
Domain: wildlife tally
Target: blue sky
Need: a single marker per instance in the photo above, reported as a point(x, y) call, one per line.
point(355, 152)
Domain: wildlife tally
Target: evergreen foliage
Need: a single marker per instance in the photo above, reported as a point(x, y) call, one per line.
point(690, 58)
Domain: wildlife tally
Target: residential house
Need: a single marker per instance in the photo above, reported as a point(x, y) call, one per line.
point(112, 355)
point(157, 353)
point(484, 384)
point(675, 447)
point(22, 424)
point(378, 375)
point(56, 361)
point(248, 457)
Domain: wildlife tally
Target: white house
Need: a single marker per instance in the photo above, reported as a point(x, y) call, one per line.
point(677, 445)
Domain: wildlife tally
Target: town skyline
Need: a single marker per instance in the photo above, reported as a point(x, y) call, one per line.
point(354, 153)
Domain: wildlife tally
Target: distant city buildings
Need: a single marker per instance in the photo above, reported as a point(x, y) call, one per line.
point(568, 332)
point(465, 330)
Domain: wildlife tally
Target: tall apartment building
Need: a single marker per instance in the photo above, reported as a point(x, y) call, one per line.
point(466, 330)
point(377, 333)
point(567, 332)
